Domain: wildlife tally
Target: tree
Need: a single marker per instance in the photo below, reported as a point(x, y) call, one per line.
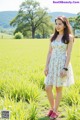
point(72, 21)
point(30, 17)
point(75, 22)
point(45, 29)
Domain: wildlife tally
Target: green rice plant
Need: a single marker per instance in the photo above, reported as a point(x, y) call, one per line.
point(18, 110)
point(22, 91)
point(14, 91)
point(2, 88)
point(37, 78)
point(33, 112)
point(77, 84)
point(33, 92)
point(19, 90)
point(22, 79)
point(71, 96)
point(73, 113)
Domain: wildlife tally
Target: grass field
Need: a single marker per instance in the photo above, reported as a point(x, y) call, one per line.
point(22, 92)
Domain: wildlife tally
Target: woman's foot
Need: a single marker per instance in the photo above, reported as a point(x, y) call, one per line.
point(54, 115)
point(49, 113)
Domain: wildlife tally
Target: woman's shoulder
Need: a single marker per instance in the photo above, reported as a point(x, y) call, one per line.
point(71, 37)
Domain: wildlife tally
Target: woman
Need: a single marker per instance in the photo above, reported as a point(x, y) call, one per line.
point(58, 70)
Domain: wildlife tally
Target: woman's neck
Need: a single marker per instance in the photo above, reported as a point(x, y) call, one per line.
point(61, 33)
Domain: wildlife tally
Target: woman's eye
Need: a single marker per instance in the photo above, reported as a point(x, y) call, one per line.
point(59, 23)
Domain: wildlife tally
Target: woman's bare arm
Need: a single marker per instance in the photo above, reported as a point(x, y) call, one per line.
point(69, 50)
point(49, 55)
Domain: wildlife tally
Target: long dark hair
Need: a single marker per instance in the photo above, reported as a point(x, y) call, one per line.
point(67, 30)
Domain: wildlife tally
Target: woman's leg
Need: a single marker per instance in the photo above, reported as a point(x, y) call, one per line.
point(50, 95)
point(58, 98)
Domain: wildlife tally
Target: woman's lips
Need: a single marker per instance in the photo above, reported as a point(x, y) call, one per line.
point(58, 29)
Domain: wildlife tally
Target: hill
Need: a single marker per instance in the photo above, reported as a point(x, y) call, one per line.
point(55, 14)
point(7, 16)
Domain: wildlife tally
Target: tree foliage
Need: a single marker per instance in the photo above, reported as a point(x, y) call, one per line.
point(30, 17)
point(75, 22)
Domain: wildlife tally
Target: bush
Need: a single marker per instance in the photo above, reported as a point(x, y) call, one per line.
point(18, 35)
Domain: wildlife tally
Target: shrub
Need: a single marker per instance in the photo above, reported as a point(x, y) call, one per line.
point(18, 35)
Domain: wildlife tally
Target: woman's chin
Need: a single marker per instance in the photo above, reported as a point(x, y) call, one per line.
point(58, 30)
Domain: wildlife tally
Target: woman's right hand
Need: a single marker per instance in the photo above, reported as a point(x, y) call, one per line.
point(46, 71)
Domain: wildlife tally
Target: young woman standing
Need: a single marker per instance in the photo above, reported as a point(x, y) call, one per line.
point(58, 70)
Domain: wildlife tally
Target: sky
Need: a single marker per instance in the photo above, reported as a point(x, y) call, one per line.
point(52, 5)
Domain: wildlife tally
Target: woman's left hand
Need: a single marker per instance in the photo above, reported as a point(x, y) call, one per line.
point(63, 73)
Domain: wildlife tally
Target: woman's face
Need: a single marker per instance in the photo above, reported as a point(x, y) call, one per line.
point(59, 25)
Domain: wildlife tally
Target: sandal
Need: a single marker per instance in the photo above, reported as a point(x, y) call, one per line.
point(49, 113)
point(54, 115)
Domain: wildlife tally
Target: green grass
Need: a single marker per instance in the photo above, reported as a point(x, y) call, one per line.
point(22, 76)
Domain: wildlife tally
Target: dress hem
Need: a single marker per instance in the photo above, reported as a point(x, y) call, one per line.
point(59, 85)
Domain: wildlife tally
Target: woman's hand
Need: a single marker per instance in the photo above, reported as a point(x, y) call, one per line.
point(46, 71)
point(63, 73)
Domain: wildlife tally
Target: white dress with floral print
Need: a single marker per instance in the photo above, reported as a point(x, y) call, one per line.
point(56, 64)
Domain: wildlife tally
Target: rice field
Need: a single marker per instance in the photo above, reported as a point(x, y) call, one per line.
point(22, 64)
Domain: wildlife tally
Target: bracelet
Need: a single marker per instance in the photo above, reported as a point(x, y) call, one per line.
point(65, 69)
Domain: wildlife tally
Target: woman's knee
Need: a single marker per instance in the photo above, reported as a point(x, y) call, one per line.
point(58, 89)
point(48, 88)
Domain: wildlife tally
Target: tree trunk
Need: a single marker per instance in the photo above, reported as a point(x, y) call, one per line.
point(33, 33)
point(43, 35)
